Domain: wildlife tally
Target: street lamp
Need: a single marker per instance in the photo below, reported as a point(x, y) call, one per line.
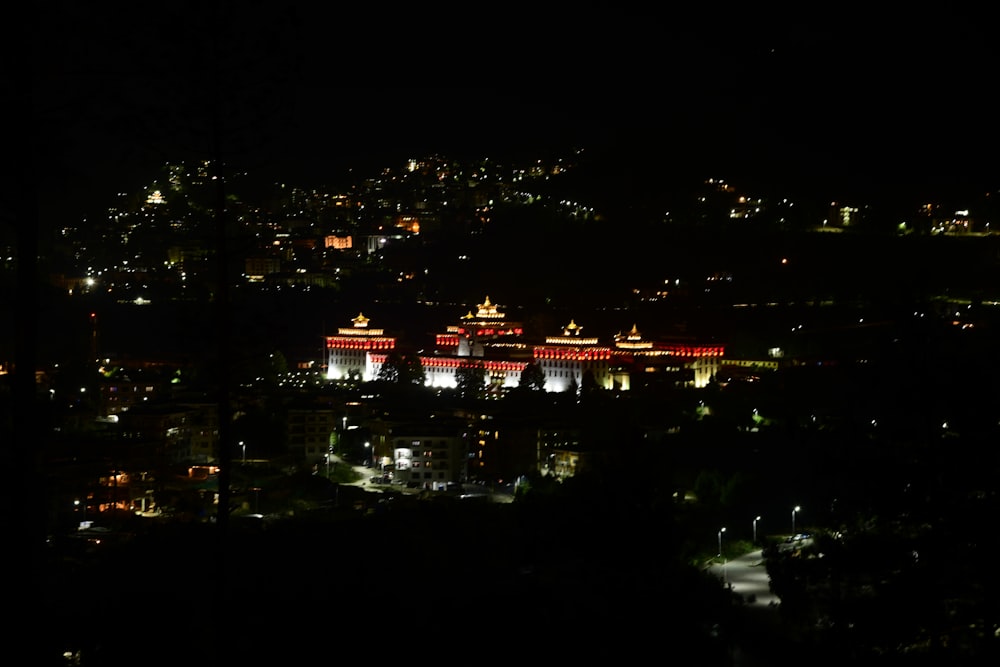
point(794, 510)
point(755, 520)
point(244, 446)
point(721, 531)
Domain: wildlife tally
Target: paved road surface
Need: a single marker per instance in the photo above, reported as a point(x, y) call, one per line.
point(748, 577)
point(500, 494)
point(761, 642)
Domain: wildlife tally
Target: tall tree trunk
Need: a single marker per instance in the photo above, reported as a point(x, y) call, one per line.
point(28, 504)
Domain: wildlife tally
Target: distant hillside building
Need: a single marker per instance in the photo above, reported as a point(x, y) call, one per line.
point(171, 433)
point(312, 432)
point(256, 269)
point(429, 455)
point(338, 242)
point(559, 450)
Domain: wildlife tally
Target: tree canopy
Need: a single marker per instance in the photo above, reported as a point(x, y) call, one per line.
point(532, 377)
point(471, 379)
point(400, 368)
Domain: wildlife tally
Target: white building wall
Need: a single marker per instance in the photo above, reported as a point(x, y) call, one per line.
point(508, 379)
point(340, 363)
point(560, 373)
point(371, 368)
point(704, 369)
point(443, 376)
point(440, 377)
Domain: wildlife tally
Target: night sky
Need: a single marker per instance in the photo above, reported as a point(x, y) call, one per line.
point(837, 105)
point(850, 105)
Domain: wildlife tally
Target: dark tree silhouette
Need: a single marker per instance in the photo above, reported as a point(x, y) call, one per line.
point(532, 378)
point(572, 389)
point(403, 369)
point(415, 374)
point(588, 385)
point(471, 379)
point(393, 368)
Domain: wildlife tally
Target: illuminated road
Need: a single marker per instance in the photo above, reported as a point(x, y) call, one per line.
point(747, 577)
point(760, 642)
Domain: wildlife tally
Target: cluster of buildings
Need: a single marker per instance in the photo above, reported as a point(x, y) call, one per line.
point(435, 452)
point(487, 338)
point(341, 418)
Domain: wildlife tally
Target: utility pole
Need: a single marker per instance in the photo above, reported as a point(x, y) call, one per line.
point(20, 447)
point(94, 348)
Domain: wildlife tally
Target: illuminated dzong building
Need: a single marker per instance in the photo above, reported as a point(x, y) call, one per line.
point(351, 353)
point(685, 362)
point(449, 452)
point(565, 359)
point(487, 338)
